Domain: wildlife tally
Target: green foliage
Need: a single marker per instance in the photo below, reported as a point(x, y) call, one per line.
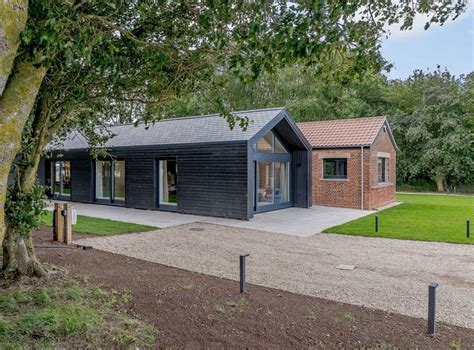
point(98, 226)
point(432, 121)
point(23, 210)
point(76, 315)
point(439, 218)
point(306, 94)
point(122, 60)
point(416, 185)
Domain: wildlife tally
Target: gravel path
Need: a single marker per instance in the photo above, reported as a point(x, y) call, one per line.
point(391, 275)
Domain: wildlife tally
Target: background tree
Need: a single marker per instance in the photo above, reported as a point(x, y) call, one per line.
point(306, 93)
point(433, 126)
point(71, 63)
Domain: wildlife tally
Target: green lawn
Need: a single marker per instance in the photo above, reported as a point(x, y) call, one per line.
point(420, 217)
point(66, 312)
point(99, 227)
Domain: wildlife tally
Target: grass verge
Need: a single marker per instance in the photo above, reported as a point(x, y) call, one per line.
point(98, 226)
point(67, 312)
point(421, 217)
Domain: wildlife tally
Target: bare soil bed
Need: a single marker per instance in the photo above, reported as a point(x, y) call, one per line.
point(192, 310)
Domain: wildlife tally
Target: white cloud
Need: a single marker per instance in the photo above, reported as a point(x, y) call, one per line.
point(419, 23)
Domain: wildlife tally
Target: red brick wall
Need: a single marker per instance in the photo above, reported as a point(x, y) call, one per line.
point(382, 194)
point(347, 192)
point(339, 192)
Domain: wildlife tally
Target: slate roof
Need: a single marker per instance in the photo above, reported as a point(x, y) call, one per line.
point(187, 130)
point(343, 132)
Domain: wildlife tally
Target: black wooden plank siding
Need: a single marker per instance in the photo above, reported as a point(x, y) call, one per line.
point(81, 180)
point(302, 179)
point(139, 181)
point(212, 178)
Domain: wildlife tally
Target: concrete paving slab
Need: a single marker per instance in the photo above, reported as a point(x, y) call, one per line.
point(155, 218)
point(391, 205)
point(301, 222)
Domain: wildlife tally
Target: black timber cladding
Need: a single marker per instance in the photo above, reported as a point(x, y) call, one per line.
point(212, 177)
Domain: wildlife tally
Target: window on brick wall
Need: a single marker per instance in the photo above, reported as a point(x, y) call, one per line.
point(335, 168)
point(383, 169)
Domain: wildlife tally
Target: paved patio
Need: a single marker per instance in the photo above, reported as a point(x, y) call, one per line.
point(302, 222)
point(391, 275)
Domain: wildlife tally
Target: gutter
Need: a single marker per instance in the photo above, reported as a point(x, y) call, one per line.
point(361, 177)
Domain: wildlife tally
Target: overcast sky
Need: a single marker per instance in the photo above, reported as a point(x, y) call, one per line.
point(451, 46)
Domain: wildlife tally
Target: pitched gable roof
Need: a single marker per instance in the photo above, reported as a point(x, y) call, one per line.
point(186, 130)
point(344, 132)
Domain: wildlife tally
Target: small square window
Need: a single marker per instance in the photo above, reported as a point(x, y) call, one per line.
point(335, 168)
point(382, 165)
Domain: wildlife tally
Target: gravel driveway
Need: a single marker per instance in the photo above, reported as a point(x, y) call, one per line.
point(391, 275)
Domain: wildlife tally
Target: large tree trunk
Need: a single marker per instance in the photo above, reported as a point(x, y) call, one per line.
point(13, 17)
point(440, 182)
point(19, 257)
point(16, 104)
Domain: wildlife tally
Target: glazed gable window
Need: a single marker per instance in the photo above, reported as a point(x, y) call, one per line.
point(270, 143)
point(335, 168)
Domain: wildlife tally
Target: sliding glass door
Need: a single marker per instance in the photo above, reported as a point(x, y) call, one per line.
point(272, 174)
point(110, 181)
point(282, 182)
point(272, 184)
point(168, 184)
point(119, 180)
point(102, 180)
point(61, 178)
point(265, 183)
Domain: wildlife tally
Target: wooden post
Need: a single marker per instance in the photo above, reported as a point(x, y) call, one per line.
point(68, 223)
point(58, 223)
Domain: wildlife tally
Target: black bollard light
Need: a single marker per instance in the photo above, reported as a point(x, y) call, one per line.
point(468, 228)
point(432, 307)
point(242, 271)
point(376, 223)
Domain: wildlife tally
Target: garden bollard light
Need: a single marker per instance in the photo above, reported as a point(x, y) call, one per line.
point(376, 223)
point(468, 228)
point(432, 307)
point(242, 271)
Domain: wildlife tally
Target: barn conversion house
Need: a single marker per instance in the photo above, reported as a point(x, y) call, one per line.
point(354, 162)
point(194, 165)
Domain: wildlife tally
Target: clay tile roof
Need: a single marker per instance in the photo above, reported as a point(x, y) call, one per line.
point(342, 132)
